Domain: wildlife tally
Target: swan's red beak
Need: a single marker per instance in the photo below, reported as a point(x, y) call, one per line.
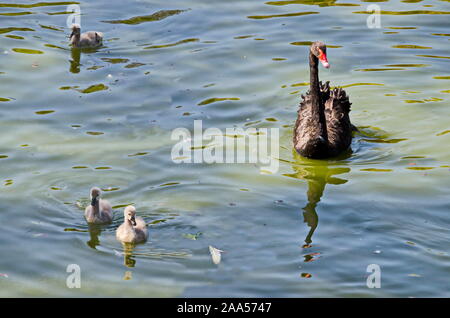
point(323, 59)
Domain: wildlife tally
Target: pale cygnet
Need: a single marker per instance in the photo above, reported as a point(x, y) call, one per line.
point(133, 229)
point(99, 211)
point(85, 40)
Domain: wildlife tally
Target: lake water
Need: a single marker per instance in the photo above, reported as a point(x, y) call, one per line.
point(105, 117)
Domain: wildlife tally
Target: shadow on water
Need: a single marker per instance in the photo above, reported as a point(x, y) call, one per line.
point(76, 56)
point(318, 173)
point(75, 61)
point(128, 258)
point(94, 232)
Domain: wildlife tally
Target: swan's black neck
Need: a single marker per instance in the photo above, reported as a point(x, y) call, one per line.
point(314, 76)
point(318, 111)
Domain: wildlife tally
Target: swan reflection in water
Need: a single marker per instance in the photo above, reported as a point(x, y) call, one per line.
point(318, 174)
point(128, 257)
point(75, 61)
point(76, 56)
point(94, 232)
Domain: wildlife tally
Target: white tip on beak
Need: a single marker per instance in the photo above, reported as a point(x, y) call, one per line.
point(325, 64)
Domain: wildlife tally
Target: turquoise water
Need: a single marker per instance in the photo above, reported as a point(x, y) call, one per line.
point(70, 121)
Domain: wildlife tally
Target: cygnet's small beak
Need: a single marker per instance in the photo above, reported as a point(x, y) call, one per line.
point(71, 34)
point(94, 201)
point(133, 221)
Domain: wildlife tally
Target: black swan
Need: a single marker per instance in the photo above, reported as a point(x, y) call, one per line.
point(323, 127)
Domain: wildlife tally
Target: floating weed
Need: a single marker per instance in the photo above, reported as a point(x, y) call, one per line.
point(138, 154)
point(53, 28)
point(122, 205)
point(407, 65)
point(95, 133)
point(410, 12)
point(115, 60)
point(362, 84)
point(134, 65)
point(411, 46)
point(422, 101)
point(215, 100)
point(442, 77)
point(172, 44)
point(379, 69)
point(169, 184)
point(435, 56)
point(443, 133)
point(71, 229)
point(193, 237)
point(27, 51)
point(401, 28)
point(296, 14)
point(240, 37)
point(68, 87)
point(95, 67)
point(16, 37)
point(308, 43)
point(13, 14)
point(157, 16)
point(413, 157)
point(299, 84)
point(376, 170)
point(110, 189)
point(7, 30)
point(386, 141)
point(326, 3)
point(44, 112)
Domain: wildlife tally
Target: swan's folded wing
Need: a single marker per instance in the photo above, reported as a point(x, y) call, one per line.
point(140, 223)
point(339, 127)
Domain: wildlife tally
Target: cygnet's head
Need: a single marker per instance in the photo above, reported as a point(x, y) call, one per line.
point(129, 213)
point(95, 195)
point(75, 30)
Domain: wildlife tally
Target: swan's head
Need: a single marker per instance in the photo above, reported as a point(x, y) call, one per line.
point(319, 49)
point(75, 30)
point(95, 195)
point(129, 213)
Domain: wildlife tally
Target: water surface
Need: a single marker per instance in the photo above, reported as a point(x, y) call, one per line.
point(70, 120)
